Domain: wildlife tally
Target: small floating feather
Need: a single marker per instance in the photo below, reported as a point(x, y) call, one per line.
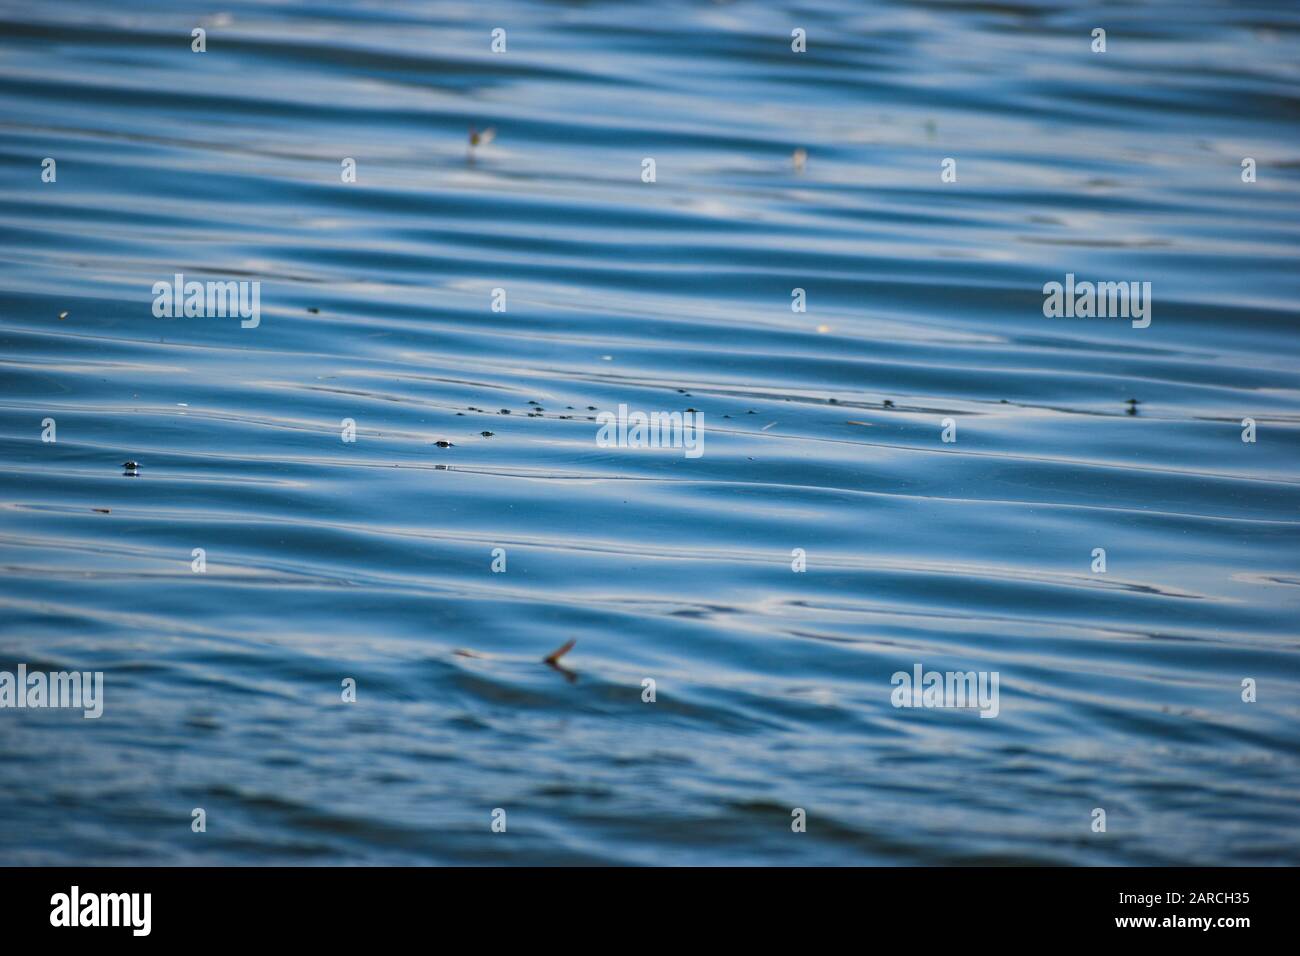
point(555, 655)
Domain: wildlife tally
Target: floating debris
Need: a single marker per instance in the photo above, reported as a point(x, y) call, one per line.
point(487, 434)
point(888, 404)
point(62, 316)
point(313, 310)
point(555, 655)
point(551, 660)
point(505, 411)
point(477, 138)
point(102, 511)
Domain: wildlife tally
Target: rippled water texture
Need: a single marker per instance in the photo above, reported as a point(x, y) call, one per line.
point(373, 559)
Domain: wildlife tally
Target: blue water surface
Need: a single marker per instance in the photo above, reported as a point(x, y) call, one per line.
point(373, 559)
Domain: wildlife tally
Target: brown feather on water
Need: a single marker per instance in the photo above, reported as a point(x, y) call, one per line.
point(555, 655)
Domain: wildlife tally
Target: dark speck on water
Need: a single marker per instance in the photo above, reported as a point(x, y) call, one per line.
point(373, 559)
